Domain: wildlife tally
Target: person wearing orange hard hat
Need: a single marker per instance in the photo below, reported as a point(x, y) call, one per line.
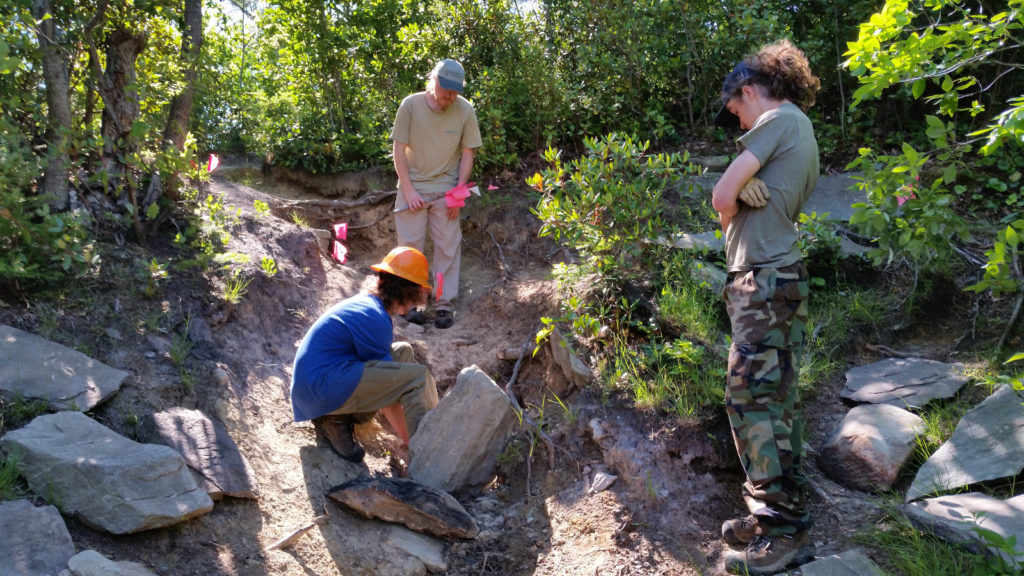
point(348, 366)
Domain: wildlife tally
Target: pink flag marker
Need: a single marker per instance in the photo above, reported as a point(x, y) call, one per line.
point(340, 252)
point(212, 163)
point(341, 231)
point(439, 281)
point(491, 187)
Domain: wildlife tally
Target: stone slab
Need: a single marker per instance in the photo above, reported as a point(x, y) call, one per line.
point(849, 563)
point(957, 519)
point(870, 447)
point(406, 502)
point(34, 541)
point(34, 367)
point(988, 444)
point(904, 382)
point(212, 456)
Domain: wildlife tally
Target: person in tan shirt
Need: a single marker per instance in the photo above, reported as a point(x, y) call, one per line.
point(435, 134)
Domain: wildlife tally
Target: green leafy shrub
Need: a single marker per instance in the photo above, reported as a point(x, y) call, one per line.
point(36, 245)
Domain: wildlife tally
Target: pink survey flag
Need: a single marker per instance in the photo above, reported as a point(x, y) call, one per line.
point(340, 252)
point(341, 231)
point(439, 281)
point(212, 163)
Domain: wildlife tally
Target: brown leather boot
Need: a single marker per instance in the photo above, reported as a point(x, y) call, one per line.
point(337, 429)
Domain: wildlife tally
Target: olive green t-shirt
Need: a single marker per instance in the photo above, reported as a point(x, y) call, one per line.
point(434, 141)
point(783, 141)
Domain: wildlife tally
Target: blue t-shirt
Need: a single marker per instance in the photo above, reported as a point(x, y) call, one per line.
point(330, 359)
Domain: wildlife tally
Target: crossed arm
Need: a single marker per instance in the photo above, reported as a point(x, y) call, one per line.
point(726, 191)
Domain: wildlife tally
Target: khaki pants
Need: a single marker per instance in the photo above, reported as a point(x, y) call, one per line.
point(411, 228)
point(384, 384)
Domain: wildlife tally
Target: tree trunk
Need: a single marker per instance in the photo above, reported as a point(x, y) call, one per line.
point(54, 186)
point(120, 99)
point(181, 104)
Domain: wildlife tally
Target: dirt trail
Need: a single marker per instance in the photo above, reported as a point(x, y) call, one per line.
point(677, 481)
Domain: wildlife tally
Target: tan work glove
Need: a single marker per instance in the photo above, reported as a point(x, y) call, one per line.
point(754, 193)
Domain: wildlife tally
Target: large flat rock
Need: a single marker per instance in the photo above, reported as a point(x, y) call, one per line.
point(904, 382)
point(958, 518)
point(988, 444)
point(212, 456)
point(407, 502)
point(849, 563)
point(35, 368)
point(34, 541)
point(108, 481)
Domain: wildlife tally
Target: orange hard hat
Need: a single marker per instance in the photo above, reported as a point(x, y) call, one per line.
point(405, 262)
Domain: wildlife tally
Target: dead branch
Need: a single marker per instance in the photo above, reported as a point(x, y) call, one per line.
point(886, 351)
point(506, 270)
point(296, 534)
point(1016, 310)
point(329, 210)
point(515, 404)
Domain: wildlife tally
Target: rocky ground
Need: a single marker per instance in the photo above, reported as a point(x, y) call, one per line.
point(676, 481)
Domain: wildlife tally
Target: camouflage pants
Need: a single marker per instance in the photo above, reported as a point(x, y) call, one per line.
point(768, 311)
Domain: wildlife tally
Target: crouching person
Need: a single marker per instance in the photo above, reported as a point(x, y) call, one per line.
point(347, 367)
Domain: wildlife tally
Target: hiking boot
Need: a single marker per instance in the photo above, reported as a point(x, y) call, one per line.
point(739, 531)
point(443, 319)
point(338, 431)
point(770, 555)
point(415, 316)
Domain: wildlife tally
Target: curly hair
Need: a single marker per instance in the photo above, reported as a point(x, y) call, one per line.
point(782, 69)
point(395, 291)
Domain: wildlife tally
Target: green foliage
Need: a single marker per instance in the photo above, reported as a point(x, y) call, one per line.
point(906, 216)
point(9, 477)
point(235, 287)
point(607, 204)
point(953, 57)
point(36, 245)
point(157, 272)
point(913, 552)
point(269, 266)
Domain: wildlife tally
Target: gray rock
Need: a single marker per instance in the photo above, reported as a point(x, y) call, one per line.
point(836, 195)
point(849, 563)
point(958, 518)
point(33, 367)
point(987, 444)
point(212, 456)
point(35, 540)
point(406, 502)
point(575, 371)
point(458, 442)
point(904, 382)
point(425, 549)
point(704, 241)
point(110, 482)
point(870, 447)
point(92, 563)
point(716, 163)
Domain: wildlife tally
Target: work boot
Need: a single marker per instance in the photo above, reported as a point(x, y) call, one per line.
point(770, 555)
point(739, 531)
point(443, 319)
point(415, 316)
point(338, 431)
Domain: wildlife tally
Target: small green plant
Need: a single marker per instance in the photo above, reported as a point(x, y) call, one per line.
point(9, 477)
point(157, 273)
point(913, 552)
point(235, 287)
point(261, 207)
point(19, 410)
point(299, 220)
point(568, 411)
point(269, 266)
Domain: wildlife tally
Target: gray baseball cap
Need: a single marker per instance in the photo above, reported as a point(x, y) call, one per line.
point(450, 74)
